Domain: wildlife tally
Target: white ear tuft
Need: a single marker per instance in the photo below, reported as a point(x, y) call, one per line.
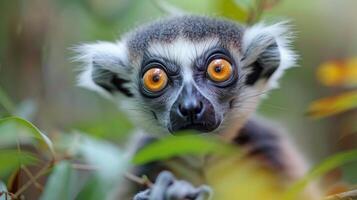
point(106, 56)
point(263, 35)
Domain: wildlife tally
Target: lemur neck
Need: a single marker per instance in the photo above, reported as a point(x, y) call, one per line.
point(232, 130)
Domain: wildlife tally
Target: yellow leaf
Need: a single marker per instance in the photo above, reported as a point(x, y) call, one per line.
point(333, 105)
point(338, 73)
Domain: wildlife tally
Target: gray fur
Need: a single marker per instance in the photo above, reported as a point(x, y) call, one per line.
point(194, 28)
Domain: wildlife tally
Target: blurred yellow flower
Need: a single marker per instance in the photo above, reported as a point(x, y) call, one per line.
point(338, 73)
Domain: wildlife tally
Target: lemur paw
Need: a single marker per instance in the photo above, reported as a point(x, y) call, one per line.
point(167, 187)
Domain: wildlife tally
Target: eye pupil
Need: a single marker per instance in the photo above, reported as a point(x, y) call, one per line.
point(218, 69)
point(156, 78)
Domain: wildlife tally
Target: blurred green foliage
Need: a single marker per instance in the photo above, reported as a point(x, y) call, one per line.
point(84, 153)
point(60, 184)
point(37, 83)
point(193, 144)
point(12, 159)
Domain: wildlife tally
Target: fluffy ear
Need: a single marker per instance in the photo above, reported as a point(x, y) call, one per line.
point(266, 53)
point(105, 68)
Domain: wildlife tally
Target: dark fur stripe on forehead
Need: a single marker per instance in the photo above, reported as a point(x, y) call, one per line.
point(195, 28)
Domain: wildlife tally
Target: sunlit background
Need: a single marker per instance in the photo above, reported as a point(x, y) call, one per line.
point(39, 78)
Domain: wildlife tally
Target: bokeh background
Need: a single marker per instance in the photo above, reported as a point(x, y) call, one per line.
point(39, 79)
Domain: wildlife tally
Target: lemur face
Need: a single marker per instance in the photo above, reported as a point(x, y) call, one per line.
point(190, 83)
point(188, 72)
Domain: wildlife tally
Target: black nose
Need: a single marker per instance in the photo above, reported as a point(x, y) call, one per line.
point(192, 111)
point(191, 108)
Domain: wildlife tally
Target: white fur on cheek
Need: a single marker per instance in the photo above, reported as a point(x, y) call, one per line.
point(282, 35)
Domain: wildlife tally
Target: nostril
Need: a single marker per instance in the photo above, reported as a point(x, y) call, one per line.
point(190, 109)
point(198, 107)
point(183, 110)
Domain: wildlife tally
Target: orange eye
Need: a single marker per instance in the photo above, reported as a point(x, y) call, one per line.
point(219, 70)
point(155, 79)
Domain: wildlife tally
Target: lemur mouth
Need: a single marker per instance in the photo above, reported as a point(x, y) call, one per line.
point(195, 126)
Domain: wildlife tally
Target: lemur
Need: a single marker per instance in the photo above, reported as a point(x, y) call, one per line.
point(200, 73)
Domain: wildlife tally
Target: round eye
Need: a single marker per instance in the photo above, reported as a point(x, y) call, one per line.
point(219, 70)
point(155, 79)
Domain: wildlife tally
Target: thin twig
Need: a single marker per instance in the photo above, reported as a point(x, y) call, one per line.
point(140, 180)
point(32, 178)
point(39, 174)
point(84, 167)
point(350, 195)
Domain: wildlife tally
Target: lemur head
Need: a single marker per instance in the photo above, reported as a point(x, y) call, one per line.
point(188, 72)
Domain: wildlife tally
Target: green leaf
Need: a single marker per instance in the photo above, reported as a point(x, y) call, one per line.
point(174, 146)
point(93, 190)
point(3, 189)
point(14, 128)
point(60, 184)
point(108, 164)
point(13, 159)
point(327, 165)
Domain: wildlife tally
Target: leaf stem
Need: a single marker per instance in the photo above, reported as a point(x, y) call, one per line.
point(6, 102)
